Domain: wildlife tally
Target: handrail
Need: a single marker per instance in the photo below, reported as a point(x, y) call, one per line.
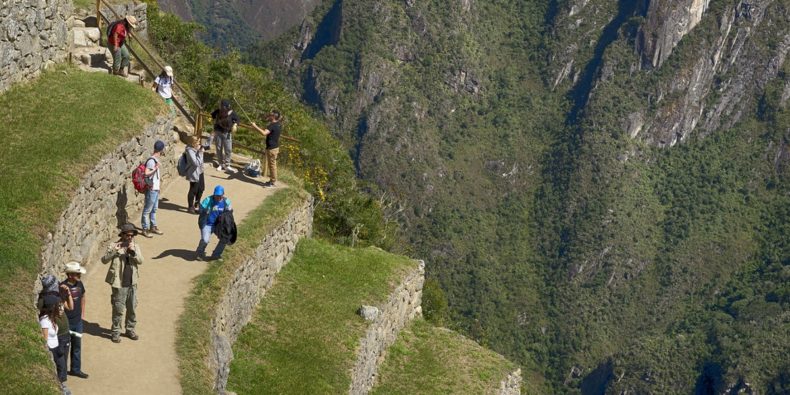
point(179, 105)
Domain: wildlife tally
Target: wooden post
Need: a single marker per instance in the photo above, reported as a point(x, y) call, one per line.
point(98, 20)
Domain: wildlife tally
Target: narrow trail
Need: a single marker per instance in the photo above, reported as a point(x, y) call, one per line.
point(149, 365)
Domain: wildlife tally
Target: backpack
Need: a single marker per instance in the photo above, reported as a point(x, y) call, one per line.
point(112, 26)
point(182, 165)
point(141, 183)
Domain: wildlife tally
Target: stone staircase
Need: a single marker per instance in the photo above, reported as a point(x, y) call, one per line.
point(86, 51)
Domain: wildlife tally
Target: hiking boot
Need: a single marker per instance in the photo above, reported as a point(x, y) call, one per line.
point(200, 257)
point(81, 375)
point(132, 335)
point(146, 233)
point(156, 230)
point(116, 337)
point(124, 73)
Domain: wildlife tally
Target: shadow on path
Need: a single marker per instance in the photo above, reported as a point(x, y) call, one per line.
point(94, 329)
point(187, 255)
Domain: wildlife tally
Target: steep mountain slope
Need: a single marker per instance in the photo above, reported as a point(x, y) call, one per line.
point(599, 187)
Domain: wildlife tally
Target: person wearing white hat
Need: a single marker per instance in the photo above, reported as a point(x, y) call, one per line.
point(116, 40)
point(163, 85)
point(77, 290)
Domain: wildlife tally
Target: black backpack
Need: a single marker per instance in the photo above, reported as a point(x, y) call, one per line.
point(111, 27)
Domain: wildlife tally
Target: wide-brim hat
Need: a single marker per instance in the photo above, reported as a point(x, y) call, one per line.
point(74, 267)
point(49, 283)
point(132, 21)
point(128, 228)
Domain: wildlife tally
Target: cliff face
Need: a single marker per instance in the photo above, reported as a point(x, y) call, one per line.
point(600, 186)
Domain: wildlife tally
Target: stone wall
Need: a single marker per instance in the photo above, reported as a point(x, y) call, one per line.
point(402, 306)
point(249, 284)
point(511, 385)
point(104, 199)
point(33, 36)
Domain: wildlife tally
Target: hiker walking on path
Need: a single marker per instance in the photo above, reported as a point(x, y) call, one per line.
point(74, 272)
point(272, 134)
point(163, 85)
point(124, 257)
point(197, 183)
point(116, 40)
point(210, 210)
point(154, 179)
point(225, 124)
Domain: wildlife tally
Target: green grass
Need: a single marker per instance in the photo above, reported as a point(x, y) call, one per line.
point(303, 337)
point(194, 325)
point(432, 360)
point(56, 128)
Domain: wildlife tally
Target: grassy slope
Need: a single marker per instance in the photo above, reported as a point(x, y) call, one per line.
point(195, 323)
point(49, 142)
point(431, 360)
point(303, 336)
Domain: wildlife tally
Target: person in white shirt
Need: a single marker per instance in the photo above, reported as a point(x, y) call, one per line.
point(153, 178)
point(163, 85)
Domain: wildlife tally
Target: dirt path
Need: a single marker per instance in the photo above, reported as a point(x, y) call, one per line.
point(148, 365)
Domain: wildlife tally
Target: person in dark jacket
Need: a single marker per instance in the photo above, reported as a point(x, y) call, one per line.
point(210, 210)
point(225, 123)
point(225, 229)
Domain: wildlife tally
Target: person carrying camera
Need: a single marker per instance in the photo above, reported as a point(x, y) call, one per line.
point(124, 257)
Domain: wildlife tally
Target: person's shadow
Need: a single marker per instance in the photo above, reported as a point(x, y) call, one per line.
point(165, 204)
point(94, 329)
point(187, 255)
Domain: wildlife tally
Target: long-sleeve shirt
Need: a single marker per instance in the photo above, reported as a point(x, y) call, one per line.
point(123, 266)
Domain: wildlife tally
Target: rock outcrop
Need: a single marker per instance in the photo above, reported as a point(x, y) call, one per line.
point(33, 36)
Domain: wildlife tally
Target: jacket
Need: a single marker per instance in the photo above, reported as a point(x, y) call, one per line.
point(194, 164)
point(118, 262)
point(225, 228)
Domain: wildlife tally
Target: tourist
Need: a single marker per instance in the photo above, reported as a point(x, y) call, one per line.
point(163, 85)
point(51, 289)
point(117, 33)
point(124, 257)
point(154, 179)
point(225, 124)
point(272, 134)
point(210, 210)
point(195, 176)
point(76, 289)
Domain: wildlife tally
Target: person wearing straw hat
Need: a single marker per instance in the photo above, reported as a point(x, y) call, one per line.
point(76, 288)
point(124, 256)
point(163, 85)
point(116, 40)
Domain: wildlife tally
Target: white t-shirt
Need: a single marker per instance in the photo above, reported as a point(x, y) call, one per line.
point(52, 331)
point(164, 87)
point(155, 181)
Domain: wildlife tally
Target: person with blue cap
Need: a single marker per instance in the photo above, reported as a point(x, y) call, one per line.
point(211, 208)
point(154, 179)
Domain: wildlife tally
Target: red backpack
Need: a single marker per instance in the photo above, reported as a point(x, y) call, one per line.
point(139, 180)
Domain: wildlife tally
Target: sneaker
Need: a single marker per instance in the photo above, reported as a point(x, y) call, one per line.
point(132, 335)
point(269, 184)
point(156, 230)
point(116, 337)
point(230, 169)
point(81, 375)
point(220, 168)
point(146, 233)
point(190, 210)
point(200, 257)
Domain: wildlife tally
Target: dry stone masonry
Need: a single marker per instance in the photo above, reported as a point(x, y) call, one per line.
point(249, 284)
point(33, 36)
point(511, 385)
point(104, 199)
point(403, 305)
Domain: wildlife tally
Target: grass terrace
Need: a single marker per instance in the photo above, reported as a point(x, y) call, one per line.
point(432, 360)
point(302, 339)
point(55, 129)
point(194, 326)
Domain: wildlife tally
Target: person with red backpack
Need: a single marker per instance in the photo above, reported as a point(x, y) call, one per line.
point(154, 180)
point(116, 42)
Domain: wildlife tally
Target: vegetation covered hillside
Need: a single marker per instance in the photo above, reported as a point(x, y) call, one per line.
point(598, 186)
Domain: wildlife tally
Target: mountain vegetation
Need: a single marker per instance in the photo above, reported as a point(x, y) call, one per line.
point(600, 189)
